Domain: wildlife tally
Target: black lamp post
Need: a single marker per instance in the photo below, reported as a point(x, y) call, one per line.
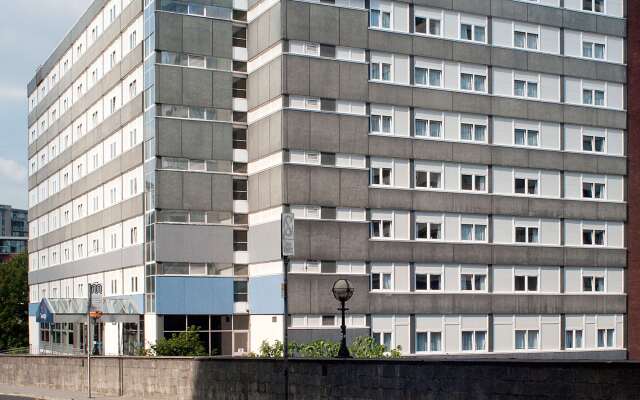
point(342, 291)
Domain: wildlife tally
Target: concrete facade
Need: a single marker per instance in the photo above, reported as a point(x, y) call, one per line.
point(463, 164)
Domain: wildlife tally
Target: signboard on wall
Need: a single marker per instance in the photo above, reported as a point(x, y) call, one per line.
point(288, 234)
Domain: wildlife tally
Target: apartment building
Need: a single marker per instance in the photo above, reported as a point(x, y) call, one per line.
point(463, 164)
point(13, 232)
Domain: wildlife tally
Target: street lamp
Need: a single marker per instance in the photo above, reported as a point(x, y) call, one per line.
point(342, 291)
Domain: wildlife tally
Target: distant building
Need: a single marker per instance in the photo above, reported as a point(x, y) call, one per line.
point(14, 231)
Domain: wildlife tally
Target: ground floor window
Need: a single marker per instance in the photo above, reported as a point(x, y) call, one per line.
point(220, 334)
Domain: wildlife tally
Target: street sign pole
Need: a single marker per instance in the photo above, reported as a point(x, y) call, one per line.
point(287, 250)
point(88, 341)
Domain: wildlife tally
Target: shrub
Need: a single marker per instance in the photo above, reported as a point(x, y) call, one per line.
point(185, 344)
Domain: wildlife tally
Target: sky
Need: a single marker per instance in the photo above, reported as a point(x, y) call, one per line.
point(29, 32)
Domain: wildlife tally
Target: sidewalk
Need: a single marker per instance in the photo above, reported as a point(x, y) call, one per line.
point(48, 394)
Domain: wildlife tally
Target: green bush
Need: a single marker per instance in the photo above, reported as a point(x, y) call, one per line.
point(185, 344)
point(361, 347)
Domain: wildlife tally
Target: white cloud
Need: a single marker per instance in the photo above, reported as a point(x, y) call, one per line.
point(12, 171)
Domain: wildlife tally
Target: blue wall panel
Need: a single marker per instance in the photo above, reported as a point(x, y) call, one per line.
point(265, 295)
point(194, 295)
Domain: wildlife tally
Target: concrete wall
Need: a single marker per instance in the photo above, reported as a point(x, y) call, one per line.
point(223, 378)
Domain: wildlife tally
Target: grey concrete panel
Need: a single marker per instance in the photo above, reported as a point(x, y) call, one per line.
point(298, 128)
point(275, 78)
point(261, 239)
point(222, 89)
point(169, 189)
point(387, 250)
point(221, 192)
point(197, 140)
point(324, 185)
point(326, 78)
point(470, 203)
point(324, 240)
point(390, 199)
point(610, 72)
point(324, 24)
point(221, 33)
point(353, 187)
point(468, 52)
point(296, 75)
point(354, 241)
point(508, 9)
point(546, 63)
point(611, 212)
point(168, 84)
point(354, 136)
point(433, 150)
point(544, 15)
point(551, 208)
point(390, 94)
point(391, 147)
point(194, 243)
point(465, 152)
point(222, 141)
point(353, 81)
point(324, 132)
point(432, 47)
point(545, 159)
point(197, 35)
point(197, 87)
point(297, 19)
point(196, 191)
point(482, 7)
point(433, 99)
point(473, 103)
point(611, 26)
point(353, 28)
point(169, 137)
point(296, 185)
point(581, 68)
point(169, 31)
point(311, 294)
point(127, 257)
point(390, 42)
point(611, 119)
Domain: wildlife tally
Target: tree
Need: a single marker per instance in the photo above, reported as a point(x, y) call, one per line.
point(14, 303)
point(184, 344)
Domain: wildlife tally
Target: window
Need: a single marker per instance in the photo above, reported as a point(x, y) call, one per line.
point(473, 232)
point(132, 40)
point(384, 338)
point(428, 231)
point(428, 342)
point(428, 26)
point(525, 186)
point(134, 284)
point(328, 320)
point(133, 90)
point(593, 284)
point(133, 186)
point(474, 340)
point(428, 77)
point(593, 5)
point(428, 281)
point(526, 340)
point(593, 237)
point(112, 105)
point(239, 240)
point(593, 50)
point(380, 281)
point(472, 32)
point(473, 182)
point(606, 337)
point(380, 229)
point(133, 235)
point(525, 283)
point(473, 132)
point(573, 339)
point(525, 89)
point(428, 179)
point(380, 123)
point(240, 189)
point(472, 82)
point(593, 143)
point(473, 282)
point(380, 19)
point(380, 71)
point(381, 176)
point(132, 138)
point(527, 234)
point(593, 97)
point(525, 40)
point(593, 190)
point(428, 128)
point(525, 137)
